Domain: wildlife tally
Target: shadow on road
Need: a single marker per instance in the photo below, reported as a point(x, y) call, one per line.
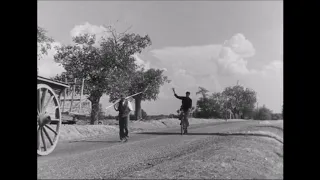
point(95, 141)
point(212, 134)
point(276, 127)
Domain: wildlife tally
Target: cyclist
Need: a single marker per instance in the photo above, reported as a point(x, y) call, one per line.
point(185, 107)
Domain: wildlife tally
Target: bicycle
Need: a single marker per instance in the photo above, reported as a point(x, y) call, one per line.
point(183, 123)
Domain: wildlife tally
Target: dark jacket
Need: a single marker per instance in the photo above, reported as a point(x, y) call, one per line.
point(186, 102)
point(123, 108)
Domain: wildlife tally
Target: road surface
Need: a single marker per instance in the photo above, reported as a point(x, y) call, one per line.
point(106, 157)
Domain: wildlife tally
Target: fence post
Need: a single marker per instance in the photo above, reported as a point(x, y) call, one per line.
point(73, 92)
point(64, 96)
point(82, 86)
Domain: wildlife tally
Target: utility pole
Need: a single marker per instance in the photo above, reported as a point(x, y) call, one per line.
point(73, 93)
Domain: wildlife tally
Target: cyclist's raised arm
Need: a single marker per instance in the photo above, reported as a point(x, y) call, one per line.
point(179, 97)
point(174, 92)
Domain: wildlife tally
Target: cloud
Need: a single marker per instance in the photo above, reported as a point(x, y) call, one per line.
point(231, 58)
point(87, 28)
point(240, 45)
point(189, 67)
point(226, 59)
point(141, 62)
point(47, 67)
point(165, 69)
point(217, 66)
point(274, 68)
point(193, 59)
point(231, 63)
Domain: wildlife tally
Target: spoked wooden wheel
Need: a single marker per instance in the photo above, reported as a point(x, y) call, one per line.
point(48, 120)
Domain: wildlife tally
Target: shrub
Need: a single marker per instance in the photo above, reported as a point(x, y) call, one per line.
point(263, 113)
point(276, 116)
point(144, 115)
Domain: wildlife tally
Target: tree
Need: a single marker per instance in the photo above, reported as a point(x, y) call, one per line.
point(101, 67)
point(239, 100)
point(276, 116)
point(263, 113)
point(203, 104)
point(218, 104)
point(203, 91)
point(147, 81)
point(43, 42)
point(236, 99)
point(204, 107)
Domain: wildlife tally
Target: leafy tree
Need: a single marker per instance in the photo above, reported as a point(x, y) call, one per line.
point(147, 81)
point(102, 67)
point(203, 104)
point(263, 113)
point(204, 107)
point(276, 116)
point(43, 42)
point(239, 100)
point(218, 105)
point(234, 99)
point(203, 91)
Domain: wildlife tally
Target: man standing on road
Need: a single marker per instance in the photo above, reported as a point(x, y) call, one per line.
point(186, 106)
point(124, 107)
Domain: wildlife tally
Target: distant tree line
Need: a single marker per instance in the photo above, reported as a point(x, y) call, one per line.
point(235, 102)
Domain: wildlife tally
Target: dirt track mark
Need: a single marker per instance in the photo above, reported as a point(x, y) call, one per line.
point(218, 157)
point(269, 126)
point(149, 163)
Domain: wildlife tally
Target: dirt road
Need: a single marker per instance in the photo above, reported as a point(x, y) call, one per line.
point(218, 150)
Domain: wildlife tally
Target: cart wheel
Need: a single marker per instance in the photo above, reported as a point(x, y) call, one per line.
point(48, 120)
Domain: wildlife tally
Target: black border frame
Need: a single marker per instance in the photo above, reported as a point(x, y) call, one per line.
point(299, 90)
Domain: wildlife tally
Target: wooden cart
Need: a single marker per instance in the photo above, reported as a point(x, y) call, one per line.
point(48, 114)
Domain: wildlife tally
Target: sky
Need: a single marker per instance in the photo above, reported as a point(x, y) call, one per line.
point(212, 44)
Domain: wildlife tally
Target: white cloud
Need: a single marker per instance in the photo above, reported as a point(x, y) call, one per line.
point(218, 66)
point(47, 67)
point(87, 28)
point(226, 59)
point(274, 68)
point(231, 58)
point(194, 59)
point(231, 63)
point(164, 69)
point(275, 65)
point(141, 62)
point(240, 45)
